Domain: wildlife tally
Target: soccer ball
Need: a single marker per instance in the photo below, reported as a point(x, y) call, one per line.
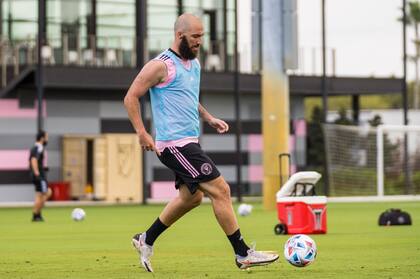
point(78, 214)
point(244, 209)
point(300, 250)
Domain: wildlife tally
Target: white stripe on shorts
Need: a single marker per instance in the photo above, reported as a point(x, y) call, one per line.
point(184, 162)
point(44, 186)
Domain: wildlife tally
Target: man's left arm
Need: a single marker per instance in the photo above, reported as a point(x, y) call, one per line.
point(220, 125)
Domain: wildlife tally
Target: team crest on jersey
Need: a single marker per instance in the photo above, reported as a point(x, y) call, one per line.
point(206, 169)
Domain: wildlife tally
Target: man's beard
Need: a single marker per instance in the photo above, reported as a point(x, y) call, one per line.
point(185, 51)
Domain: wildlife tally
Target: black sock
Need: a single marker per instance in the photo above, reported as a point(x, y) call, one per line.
point(238, 244)
point(154, 231)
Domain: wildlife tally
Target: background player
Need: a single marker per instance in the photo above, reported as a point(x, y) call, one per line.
point(37, 171)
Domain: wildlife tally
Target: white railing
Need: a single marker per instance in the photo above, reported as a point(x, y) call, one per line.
point(96, 51)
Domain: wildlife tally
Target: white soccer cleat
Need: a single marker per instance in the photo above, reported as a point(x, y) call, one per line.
point(255, 258)
point(145, 251)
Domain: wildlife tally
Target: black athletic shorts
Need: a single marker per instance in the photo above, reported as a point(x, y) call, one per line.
point(190, 165)
point(41, 185)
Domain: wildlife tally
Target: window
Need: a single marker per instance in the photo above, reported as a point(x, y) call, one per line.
point(19, 19)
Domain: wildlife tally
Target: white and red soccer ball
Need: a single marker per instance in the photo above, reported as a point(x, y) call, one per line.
point(300, 250)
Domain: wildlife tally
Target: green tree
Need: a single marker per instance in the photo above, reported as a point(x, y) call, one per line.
point(375, 121)
point(342, 118)
point(391, 151)
point(316, 154)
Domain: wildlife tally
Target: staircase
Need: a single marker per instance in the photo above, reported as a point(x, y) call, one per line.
point(16, 64)
point(10, 79)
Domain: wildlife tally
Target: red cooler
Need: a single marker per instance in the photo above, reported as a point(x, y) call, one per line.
point(305, 215)
point(298, 210)
point(60, 191)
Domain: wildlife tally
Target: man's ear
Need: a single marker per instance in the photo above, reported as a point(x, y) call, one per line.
point(179, 35)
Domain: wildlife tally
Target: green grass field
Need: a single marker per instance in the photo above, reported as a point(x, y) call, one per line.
point(195, 247)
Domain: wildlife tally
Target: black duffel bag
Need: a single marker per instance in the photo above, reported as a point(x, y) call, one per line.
point(394, 216)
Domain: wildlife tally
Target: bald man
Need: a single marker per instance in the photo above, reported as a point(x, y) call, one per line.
point(173, 80)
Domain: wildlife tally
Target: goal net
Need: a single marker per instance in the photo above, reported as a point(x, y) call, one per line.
point(365, 161)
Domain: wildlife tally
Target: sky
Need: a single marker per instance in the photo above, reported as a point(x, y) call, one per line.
point(366, 36)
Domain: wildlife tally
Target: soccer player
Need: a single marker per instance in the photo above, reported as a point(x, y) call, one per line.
point(36, 164)
point(173, 79)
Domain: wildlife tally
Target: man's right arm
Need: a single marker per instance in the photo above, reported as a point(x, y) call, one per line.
point(34, 165)
point(34, 156)
point(152, 73)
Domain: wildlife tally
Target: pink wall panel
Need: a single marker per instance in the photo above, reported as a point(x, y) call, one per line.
point(10, 108)
point(255, 143)
point(300, 127)
point(293, 169)
point(292, 143)
point(255, 173)
point(163, 190)
point(16, 159)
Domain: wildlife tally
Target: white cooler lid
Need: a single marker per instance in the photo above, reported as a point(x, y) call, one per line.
point(302, 177)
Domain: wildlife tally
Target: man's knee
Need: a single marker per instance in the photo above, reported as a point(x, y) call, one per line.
point(192, 200)
point(196, 199)
point(224, 190)
point(48, 193)
point(219, 189)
